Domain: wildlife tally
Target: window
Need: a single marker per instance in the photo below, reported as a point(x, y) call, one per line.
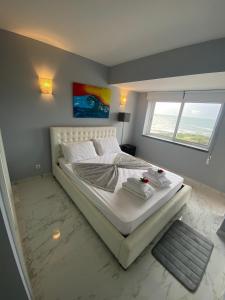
point(182, 122)
point(164, 119)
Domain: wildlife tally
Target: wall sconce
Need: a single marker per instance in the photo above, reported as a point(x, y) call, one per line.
point(45, 85)
point(56, 235)
point(123, 100)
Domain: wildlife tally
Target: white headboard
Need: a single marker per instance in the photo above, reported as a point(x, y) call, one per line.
point(61, 135)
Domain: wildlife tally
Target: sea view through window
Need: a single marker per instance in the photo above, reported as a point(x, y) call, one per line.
point(188, 123)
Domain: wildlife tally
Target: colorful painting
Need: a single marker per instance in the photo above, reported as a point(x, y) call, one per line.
point(90, 101)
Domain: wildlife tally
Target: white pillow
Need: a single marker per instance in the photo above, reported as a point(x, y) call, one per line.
point(107, 145)
point(78, 151)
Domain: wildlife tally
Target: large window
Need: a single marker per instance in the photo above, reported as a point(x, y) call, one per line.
point(182, 122)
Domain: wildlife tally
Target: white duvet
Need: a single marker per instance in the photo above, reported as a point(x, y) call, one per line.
point(125, 211)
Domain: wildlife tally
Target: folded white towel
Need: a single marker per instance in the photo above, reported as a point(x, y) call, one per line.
point(145, 197)
point(139, 185)
point(134, 180)
point(156, 172)
point(161, 182)
point(138, 191)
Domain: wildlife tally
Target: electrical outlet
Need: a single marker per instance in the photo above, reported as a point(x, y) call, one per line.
point(37, 166)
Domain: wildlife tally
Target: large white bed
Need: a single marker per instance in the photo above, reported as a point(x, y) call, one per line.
point(125, 223)
point(124, 210)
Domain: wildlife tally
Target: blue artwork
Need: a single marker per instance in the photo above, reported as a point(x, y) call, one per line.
point(90, 101)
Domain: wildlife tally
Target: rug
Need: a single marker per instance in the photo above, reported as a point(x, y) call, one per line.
point(185, 253)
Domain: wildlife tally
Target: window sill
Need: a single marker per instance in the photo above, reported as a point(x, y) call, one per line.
point(176, 143)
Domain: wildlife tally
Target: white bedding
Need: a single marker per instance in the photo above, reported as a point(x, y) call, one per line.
point(125, 211)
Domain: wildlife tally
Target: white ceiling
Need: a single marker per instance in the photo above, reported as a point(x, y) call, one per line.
point(209, 81)
point(115, 31)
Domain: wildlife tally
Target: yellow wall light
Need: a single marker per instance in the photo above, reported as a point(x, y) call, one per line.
point(123, 100)
point(56, 234)
point(45, 85)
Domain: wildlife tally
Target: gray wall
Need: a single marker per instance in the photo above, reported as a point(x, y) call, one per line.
point(25, 114)
point(11, 286)
point(185, 161)
point(200, 58)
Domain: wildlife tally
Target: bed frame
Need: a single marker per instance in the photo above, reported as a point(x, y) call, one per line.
point(125, 249)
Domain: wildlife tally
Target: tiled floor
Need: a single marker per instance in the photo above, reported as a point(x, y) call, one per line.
point(79, 266)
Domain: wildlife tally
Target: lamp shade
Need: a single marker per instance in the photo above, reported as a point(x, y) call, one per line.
point(123, 117)
point(45, 85)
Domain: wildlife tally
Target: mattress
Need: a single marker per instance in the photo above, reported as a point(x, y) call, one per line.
point(125, 211)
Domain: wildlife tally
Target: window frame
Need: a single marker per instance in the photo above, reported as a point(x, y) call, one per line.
point(173, 139)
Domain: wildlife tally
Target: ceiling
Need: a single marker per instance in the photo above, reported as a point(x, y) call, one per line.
point(207, 81)
point(115, 31)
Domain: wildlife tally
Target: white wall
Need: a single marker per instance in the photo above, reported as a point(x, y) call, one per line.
point(13, 265)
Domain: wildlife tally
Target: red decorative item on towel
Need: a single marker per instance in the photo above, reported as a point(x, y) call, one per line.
point(144, 180)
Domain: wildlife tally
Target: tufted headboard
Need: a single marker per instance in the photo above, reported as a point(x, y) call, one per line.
point(75, 134)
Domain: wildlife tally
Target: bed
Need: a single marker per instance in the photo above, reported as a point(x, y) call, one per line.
point(125, 224)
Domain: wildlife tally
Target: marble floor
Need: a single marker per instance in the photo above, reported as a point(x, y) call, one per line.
point(67, 261)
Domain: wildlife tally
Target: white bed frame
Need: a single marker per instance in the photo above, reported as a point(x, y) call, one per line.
point(125, 249)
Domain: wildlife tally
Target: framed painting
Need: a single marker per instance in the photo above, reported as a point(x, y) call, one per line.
point(90, 101)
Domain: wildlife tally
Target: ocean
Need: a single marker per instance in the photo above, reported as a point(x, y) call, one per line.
point(189, 125)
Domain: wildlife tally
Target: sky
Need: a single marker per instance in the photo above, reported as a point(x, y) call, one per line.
point(194, 110)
